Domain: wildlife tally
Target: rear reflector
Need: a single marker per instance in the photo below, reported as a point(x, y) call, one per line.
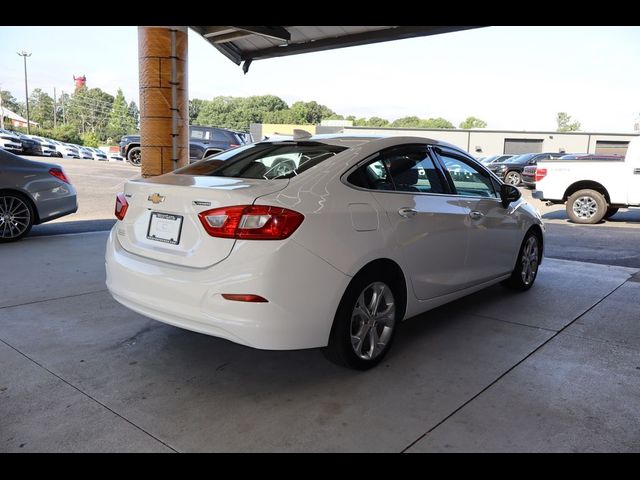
point(251, 222)
point(121, 206)
point(244, 298)
point(59, 174)
point(540, 174)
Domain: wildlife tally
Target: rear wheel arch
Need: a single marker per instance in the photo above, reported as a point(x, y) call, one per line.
point(586, 185)
point(391, 271)
point(538, 232)
point(130, 146)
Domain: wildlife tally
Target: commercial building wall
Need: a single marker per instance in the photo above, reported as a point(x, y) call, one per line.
point(483, 143)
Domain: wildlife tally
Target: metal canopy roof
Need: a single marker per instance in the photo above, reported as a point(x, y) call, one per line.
point(245, 44)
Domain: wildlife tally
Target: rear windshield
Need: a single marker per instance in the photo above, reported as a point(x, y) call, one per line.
point(267, 160)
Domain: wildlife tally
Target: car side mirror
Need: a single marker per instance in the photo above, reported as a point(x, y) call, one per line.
point(508, 194)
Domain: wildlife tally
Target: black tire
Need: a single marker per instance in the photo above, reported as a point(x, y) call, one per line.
point(134, 156)
point(341, 349)
point(16, 228)
point(513, 178)
point(586, 207)
point(519, 280)
point(611, 211)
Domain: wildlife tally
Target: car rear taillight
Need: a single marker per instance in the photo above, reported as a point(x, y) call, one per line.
point(59, 174)
point(540, 174)
point(232, 145)
point(251, 222)
point(121, 206)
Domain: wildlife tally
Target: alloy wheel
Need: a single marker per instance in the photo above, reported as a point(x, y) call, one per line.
point(513, 178)
point(15, 217)
point(372, 321)
point(585, 207)
point(530, 260)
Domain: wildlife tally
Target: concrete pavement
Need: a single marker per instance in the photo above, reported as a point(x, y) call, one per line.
point(553, 369)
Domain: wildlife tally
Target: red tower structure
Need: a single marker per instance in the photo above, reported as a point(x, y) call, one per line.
point(80, 81)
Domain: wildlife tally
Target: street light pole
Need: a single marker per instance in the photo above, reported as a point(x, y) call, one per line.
point(24, 55)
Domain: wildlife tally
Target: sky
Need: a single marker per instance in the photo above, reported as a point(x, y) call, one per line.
point(514, 78)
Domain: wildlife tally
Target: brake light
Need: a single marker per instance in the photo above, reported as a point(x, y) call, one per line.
point(234, 145)
point(121, 206)
point(251, 222)
point(244, 298)
point(540, 174)
point(59, 174)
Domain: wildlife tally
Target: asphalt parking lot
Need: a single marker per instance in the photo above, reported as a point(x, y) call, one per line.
point(553, 369)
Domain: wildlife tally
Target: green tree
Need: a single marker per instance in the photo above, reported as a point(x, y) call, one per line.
point(134, 113)
point(41, 108)
point(90, 139)
point(89, 110)
point(238, 112)
point(195, 105)
point(120, 120)
point(377, 122)
point(565, 124)
point(10, 102)
point(65, 133)
point(310, 112)
point(406, 122)
point(473, 122)
point(436, 123)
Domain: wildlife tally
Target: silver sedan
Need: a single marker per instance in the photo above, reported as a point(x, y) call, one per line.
point(31, 193)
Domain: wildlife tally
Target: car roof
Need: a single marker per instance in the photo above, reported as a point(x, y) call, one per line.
point(352, 140)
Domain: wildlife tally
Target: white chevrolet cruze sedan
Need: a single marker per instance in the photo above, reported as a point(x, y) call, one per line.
point(324, 241)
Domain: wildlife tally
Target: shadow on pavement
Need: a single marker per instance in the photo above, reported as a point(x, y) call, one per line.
point(78, 226)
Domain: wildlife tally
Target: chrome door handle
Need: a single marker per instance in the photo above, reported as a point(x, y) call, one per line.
point(407, 212)
point(476, 215)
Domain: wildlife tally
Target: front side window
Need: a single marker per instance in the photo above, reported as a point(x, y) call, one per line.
point(468, 180)
point(268, 161)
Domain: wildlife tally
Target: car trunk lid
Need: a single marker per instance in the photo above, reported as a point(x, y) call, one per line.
point(162, 220)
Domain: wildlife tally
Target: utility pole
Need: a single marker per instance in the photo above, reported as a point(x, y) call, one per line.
point(55, 108)
point(64, 116)
point(24, 55)
point(1, 110)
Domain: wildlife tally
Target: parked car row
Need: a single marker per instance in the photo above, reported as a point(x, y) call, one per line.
point(17, 142)
point(203, 142)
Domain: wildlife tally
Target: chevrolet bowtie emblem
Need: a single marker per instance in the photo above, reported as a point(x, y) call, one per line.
point(156, 198)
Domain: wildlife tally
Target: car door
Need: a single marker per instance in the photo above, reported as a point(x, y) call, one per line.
point(428, 223)
point(494, 231)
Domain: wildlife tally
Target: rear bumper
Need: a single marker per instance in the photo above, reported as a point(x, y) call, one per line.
point(303, 292)
point(56, 203)
point(538, 194)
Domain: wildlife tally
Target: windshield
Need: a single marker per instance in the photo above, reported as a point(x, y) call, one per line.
point(520, 158)
point(266, 160)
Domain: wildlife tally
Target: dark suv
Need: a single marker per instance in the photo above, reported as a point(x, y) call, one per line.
point(510, 171)
point(203, 141)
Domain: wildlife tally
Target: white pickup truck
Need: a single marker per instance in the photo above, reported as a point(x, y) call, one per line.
point(592, 189)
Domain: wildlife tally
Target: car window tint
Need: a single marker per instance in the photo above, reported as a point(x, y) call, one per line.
point(468, 180)
point(412, 170)
point(197, 133)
